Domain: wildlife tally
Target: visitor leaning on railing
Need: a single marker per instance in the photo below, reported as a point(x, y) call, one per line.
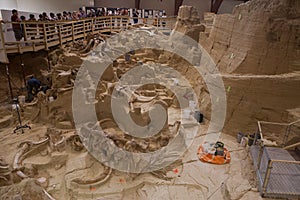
point(17, 29)
point(52, 30)
point(78, 15)
point(32, 27)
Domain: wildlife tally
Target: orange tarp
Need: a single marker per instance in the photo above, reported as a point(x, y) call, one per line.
point(212, 158)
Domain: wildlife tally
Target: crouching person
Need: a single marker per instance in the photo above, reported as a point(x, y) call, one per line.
point(33, 87)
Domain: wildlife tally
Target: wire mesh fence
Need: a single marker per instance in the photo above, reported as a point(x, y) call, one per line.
point(278, 173)
point(263, 165)
point(284, 179)
point(274, 132)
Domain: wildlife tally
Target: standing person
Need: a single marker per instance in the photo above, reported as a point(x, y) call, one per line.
point(32, 18)
point(52, 17)
point(33, 30)
point(75, 16)
point(135, 15)
point(52, 26)
point(46, 19)
point(82, 14)
point(156, 21)
point(118, 12)
point(70, 16)
point(16, 26)
point(41, 26)
point(98, 13)
point(112, 13)
point(45, 16)
point(124, 12)
point(41, 17)
point(164, 16)
point(103, 13)
point(65, 15)
point(23, 19)
point(59, 17)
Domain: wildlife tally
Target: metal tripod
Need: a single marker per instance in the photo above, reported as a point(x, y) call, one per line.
point(20, 121)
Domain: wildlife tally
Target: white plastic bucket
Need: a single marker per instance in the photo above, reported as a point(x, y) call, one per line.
point(51, 99)
point(244, 142)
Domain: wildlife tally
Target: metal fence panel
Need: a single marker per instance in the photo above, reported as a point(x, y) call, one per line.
point(284, 179)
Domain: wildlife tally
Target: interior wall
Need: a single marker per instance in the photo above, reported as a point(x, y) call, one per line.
point(167, 5)
point(228, 5)
point(8, 4)
point(51, 5)
point(204, 5)
point(115, 3)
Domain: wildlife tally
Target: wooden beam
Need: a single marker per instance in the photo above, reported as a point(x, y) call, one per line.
point(292, 146)
point(178, 3)
point(216, 5)
point(9, 83)
point(23, 71)
point(137, 4)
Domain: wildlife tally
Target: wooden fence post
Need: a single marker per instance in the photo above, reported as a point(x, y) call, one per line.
point(111, 23)
point(60, 35)
point(73, 34)
point(45, 36)
point(84, 35)
point(24, 31)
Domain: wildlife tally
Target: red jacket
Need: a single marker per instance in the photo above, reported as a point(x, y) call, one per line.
point(15, 18)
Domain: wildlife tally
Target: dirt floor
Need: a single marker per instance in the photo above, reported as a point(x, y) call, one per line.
point(189, 178)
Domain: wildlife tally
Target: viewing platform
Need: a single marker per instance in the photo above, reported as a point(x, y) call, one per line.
point(43, 35)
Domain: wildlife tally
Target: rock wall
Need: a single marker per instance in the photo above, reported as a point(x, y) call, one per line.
point(260, 37)
point(257, 52)
point(253, 98)
point(256, 49)
point(188, 22)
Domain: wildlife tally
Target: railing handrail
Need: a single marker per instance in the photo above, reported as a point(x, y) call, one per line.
point(59, 32)
point(85, 19)
point(274, 123)
point(294, 122)
point(277, 123)
point(288, 128)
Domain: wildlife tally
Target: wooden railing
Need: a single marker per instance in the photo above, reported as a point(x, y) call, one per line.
point(43, 35)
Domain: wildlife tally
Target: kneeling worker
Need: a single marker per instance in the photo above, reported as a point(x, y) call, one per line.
point(33, 86)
